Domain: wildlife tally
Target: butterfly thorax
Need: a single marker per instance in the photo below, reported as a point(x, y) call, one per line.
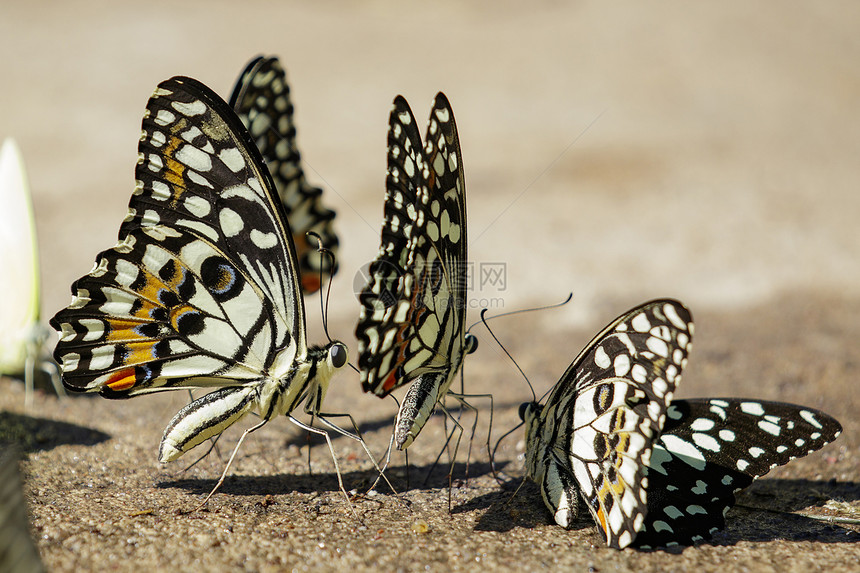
point(307, 380)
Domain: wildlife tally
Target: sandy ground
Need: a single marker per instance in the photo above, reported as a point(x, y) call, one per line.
point(623, 153)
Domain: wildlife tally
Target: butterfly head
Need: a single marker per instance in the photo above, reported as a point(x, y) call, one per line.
point(327, 360)
point(470, 343)
point(338, 355)
point(529, 412)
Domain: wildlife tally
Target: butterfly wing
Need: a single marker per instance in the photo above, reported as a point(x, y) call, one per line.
point(595, 433)
point(712, 448)
point(202, 286)
point(413, 306)
point(261, 99)
point(19, 257)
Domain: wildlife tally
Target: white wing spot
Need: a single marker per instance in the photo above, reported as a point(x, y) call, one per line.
point(701, 488)
point(657, 346)
point(752, 408)
point(189, 109)
point(769, 427)
point(622, 365)
point(640, 323)
point(742, 464)
point(232, 158)
point(601, 359)
point(702, 425)
point(672, 315)
point(164, 117)
point(684, 451)
point(231, 223)
point(727, 435)
point(194, 158)
point(197, 205)
point(756, 452)
point(263, 240)
point(810, 417)
point(706, 442)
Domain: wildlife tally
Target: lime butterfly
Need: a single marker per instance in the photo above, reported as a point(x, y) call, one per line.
point(202, 288)
point(411, 323)
point(650, 470)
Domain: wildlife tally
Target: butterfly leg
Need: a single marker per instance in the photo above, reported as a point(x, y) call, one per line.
point(463, 399)
point(229, 462)
point(323, 416)
point(324, 434)
point(29, 375)
point(213, 442)
point(52, 369)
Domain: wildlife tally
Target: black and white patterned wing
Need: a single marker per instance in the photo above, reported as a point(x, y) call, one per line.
point(594, 435)
point(261, 99)
point(712, 448)
point(202, 287)
point(413, 306)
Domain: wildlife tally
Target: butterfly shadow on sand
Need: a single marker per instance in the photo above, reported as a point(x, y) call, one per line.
point(274, 484)
point(763, 512)
point(31, 434)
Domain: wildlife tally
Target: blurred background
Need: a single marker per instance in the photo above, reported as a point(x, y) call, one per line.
point(621, 152)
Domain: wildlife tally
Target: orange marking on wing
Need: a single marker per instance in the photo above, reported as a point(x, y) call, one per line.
point(389, 382)
point(121, 380)
point(174, 171)
point(601, 517)
point(177, 312)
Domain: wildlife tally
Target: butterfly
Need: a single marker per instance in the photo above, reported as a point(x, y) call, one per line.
point(202, 288)
point(411, 323)
point(651, 470)
point(22, 335)
point(261, 99)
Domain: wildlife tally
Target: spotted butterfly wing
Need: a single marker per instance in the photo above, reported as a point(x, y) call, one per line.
point(202, 288)
point(712, 448)
point(261, 99)
point(414, 303)
point(593, 437)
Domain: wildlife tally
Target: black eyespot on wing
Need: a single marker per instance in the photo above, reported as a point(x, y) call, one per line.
point(220, 278)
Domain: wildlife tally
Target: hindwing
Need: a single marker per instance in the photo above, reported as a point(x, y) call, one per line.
point(710, 449)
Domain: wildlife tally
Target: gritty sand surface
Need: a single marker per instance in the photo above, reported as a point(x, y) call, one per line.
point(707, 153)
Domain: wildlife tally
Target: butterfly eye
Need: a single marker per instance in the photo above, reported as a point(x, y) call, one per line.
point(523, 408)
point(338, 355)
point(470, 343)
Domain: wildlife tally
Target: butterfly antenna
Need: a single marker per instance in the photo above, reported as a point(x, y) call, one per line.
point(496, 447)
point(522, 311)
point(324, 300)
point(505, 350)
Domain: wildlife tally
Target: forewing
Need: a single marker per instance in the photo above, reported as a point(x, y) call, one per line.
point(413, 305)
point(712, 448)
point(261, 98)
point(201, 289)
point(609, 407)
